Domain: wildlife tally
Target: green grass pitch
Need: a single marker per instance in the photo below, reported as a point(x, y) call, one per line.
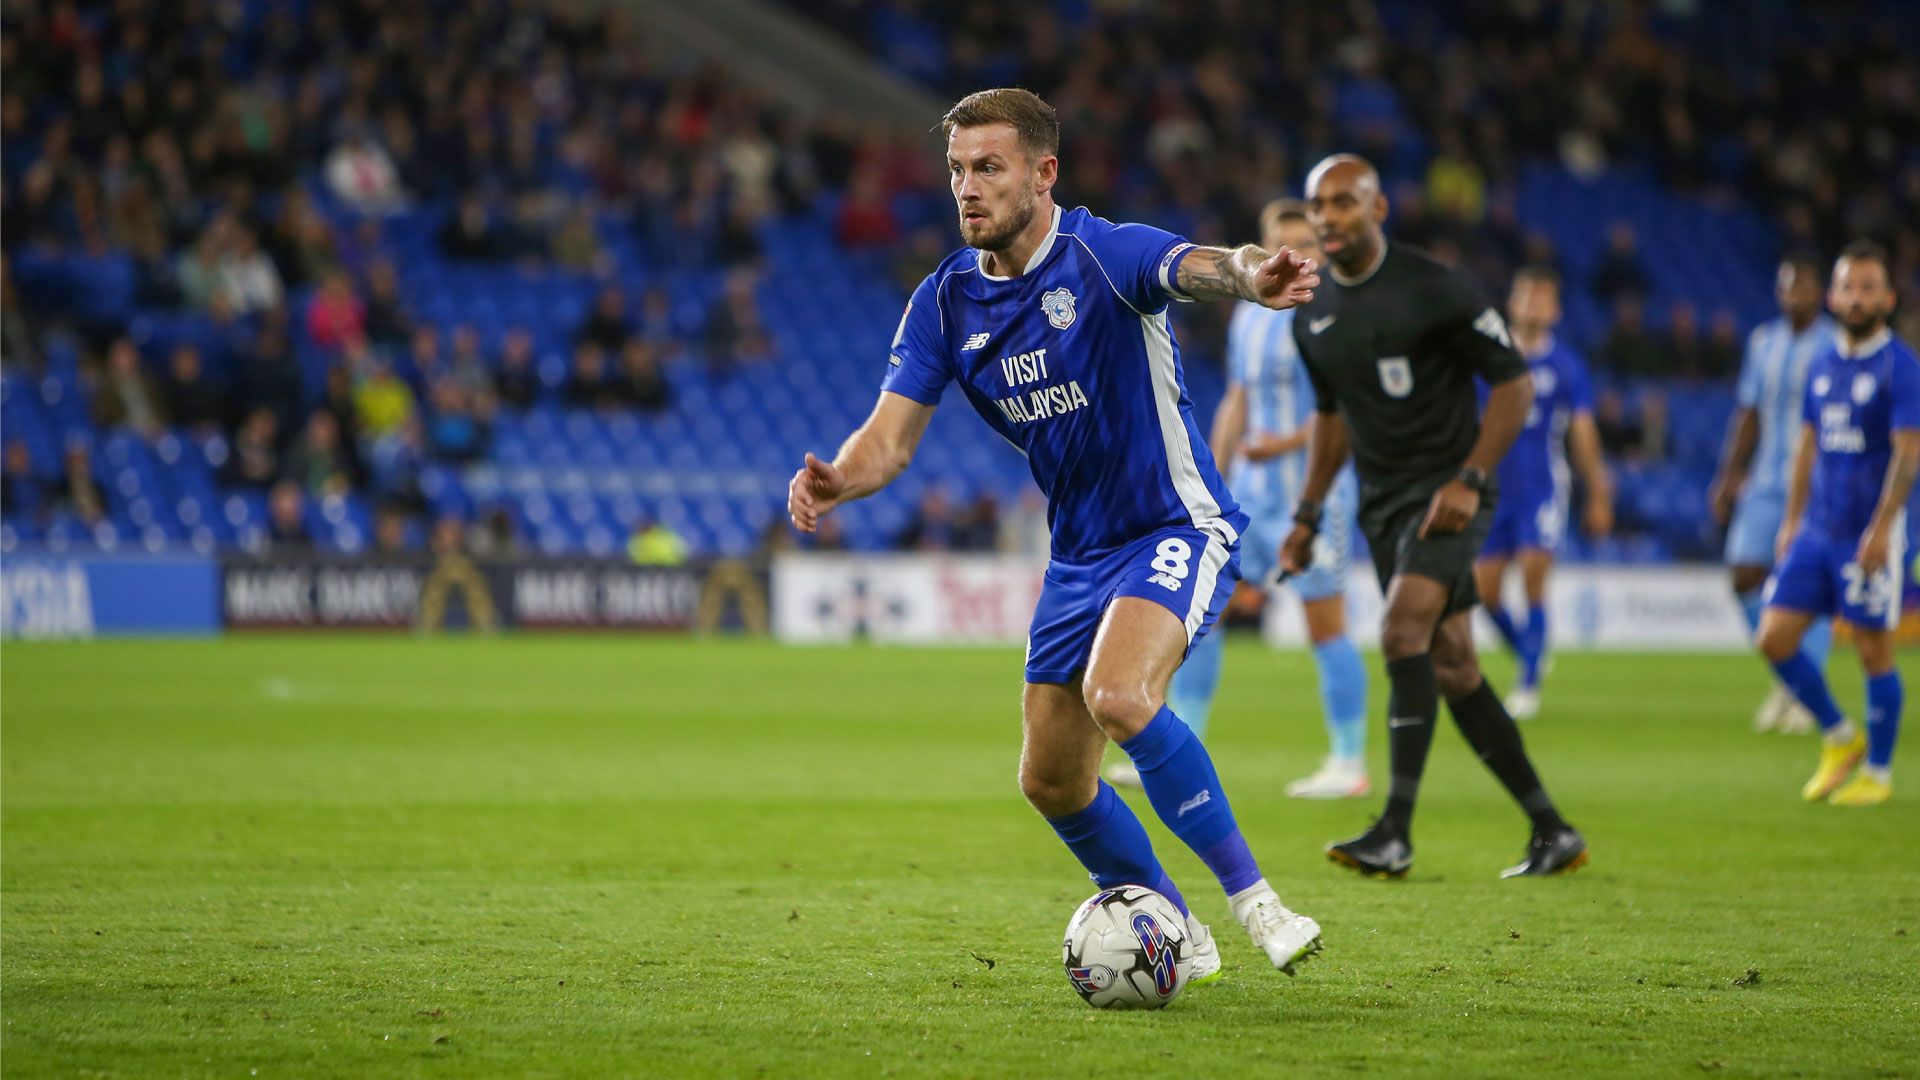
point(611, 857)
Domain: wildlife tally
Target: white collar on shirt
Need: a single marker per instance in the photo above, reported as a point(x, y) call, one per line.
point(1865, 348)
point(1039, 254)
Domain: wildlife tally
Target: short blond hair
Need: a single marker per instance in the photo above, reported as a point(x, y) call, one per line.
point(1033, 120)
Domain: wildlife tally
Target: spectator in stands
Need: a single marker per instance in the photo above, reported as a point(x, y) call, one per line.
point(471, 235)
point(466, 365)
point(22, 493)
point(191, 399)
point(454, 428)
point(1620, 433)
point(248, 276)
point(639, 383)
point(300, 242)
point(654, 543)
point(383, 404)
point(322, 462)
point(1683, 346)
point(127, 396)
point(254, 459)
point(866, 214)
point(587, 383)
point(735, 333)
point(387, 321)
point(1629, 350)
point(656, 325)
point(497, 537)
point(1456, 187)
point(576, 246)
point(392, 531)
point(932, 527)
point(1722, 354)
point(360, 174)
point(76, 493)
point(270, 373)
point(335, 316)
point(607, 326)
point(978, 526)
point(19, 335)
point(1620, 271)
point(287, 520)
point(424, 364)
point(516, 383)
point(1024, 530)
point(449, 535)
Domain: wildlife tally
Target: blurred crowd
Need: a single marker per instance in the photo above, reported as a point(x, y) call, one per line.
point(1194, 113)
point(246, 154)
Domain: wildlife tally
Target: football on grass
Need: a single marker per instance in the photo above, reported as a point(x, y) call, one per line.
point(1127, 948)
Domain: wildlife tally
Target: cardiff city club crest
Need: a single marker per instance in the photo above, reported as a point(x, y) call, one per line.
point(1058, 305)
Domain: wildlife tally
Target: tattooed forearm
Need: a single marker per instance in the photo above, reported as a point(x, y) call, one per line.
point(1208, 273)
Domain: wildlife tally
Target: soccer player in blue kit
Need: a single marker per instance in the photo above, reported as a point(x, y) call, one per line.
point(1842, 544)
point(1260, 435)
point(1531, 518)
point(1749, 494)
point(1054, 323)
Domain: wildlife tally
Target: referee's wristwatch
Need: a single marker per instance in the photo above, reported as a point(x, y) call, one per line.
point(1475, 478)
point(1308, 514)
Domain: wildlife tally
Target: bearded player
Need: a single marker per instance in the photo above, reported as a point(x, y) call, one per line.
point(1054, 323)
point(1842, 544)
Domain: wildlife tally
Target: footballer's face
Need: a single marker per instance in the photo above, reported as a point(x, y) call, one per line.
point(1346, 208)
point(995, 184)
point(1533, 305)
point(1295, 233)
point(1797, 288)
point(1861, 297)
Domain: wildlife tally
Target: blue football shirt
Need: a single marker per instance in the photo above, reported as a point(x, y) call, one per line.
point(1855, 401)
point(1536, 466)
point(1074, 363)
point(1773, 383)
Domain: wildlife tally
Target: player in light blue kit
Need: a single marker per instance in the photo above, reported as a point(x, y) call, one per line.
point(1054, 324)
point(1842, 544)
point(1749, 494)
point(1260, 432)
point(1535, 484)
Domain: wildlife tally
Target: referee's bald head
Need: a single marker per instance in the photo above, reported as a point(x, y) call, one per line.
point(1345, 170)
point(1347, 208)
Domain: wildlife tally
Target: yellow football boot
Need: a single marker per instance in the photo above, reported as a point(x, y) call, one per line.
point(1862, 790)
point(1835, 763)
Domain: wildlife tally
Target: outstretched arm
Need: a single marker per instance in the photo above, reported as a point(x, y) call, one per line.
point(877, 452)
point(1279, 279)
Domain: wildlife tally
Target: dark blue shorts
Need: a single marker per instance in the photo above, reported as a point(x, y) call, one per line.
point(1189, 572)
point(1527, 522)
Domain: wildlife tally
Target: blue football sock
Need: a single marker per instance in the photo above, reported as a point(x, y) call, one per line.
point(1533, 645)
point(1185, 791)
point(1884, 698)
point(1818, 642)
point(1343, 695)
point(1190, 695)
point(1809, 688)
point(1503, 622)
point(1112, 844)
point(1750, 606)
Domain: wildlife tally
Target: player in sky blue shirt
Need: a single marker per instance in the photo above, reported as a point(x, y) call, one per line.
point(1749, 495)
point(1535, 484)
point(1054, 324)
point(1842, 544)
point(1260, 434)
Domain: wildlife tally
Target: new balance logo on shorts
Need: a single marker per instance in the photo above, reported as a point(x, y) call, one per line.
point(1171, 584)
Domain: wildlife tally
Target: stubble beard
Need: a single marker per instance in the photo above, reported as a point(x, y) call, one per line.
point(1860, 325)
point(1019, 216)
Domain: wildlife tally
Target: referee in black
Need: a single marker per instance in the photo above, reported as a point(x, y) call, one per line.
point(1392, 342)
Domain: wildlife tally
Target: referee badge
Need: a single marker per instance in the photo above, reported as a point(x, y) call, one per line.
point(1396, 376)
point(1058, 304)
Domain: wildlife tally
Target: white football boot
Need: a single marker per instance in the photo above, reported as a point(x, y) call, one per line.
point(1123, 774)
point(1523, 702)
point(1771, 711)
point(1337, 778)
point(1796, 720)
point(1206, 954)
point(1286, 937)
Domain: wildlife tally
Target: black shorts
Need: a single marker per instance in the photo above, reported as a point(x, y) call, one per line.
point(1393, 536)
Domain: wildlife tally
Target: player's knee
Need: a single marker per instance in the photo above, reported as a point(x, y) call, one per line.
point(1121, 711)
point(1777, 642)
point(1052, 792)
point(1748, 578)
point(1456, 676)
point(1401, 637)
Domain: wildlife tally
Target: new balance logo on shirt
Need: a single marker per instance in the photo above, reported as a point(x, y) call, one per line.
point(975, 342)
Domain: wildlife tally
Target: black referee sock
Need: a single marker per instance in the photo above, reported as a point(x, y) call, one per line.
point(1491, 732)
point(1412, 707)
